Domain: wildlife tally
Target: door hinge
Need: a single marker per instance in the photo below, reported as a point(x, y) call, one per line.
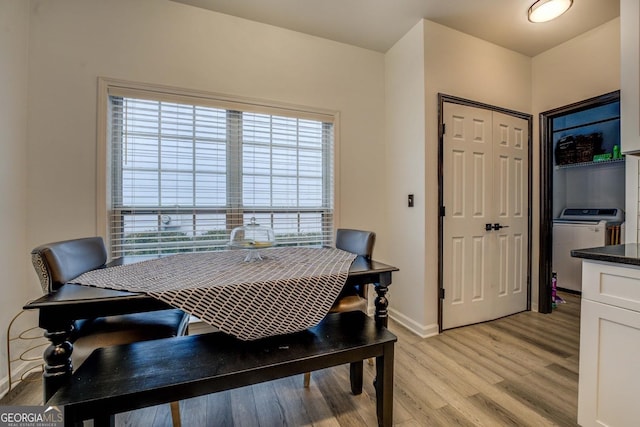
point(441, 293)
point(444, 128)
point(442, 210)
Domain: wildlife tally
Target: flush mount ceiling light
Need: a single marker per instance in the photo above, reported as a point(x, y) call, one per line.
point(546, 10)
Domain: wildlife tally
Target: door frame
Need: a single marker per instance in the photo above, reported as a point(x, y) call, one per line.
point(442, 99)
point(546, 190)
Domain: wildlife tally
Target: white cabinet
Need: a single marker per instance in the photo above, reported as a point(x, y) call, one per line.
point(630, 76)
point(609, 367)
point(630, 108)
point(609, 385)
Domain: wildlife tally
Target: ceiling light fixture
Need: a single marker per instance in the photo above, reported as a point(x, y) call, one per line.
point(546, 10)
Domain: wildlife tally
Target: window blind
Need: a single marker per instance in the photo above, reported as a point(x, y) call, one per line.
point(184, 174)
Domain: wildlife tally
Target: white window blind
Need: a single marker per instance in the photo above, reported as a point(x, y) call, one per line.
point(184, 174)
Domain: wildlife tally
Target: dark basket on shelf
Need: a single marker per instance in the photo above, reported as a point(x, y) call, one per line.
point(587, 146)
point(578, 148)
point(565, 150)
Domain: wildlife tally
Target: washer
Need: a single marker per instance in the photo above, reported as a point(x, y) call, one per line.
point(578, 228)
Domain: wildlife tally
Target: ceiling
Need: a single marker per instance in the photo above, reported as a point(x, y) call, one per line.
point(378, 24)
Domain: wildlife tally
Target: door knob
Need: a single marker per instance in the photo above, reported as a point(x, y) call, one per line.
point(488, 227)
point(497, 226)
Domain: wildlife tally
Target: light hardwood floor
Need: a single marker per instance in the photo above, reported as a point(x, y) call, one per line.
point(521, 370)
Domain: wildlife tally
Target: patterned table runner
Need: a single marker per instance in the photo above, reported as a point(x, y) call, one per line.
point(290, 290)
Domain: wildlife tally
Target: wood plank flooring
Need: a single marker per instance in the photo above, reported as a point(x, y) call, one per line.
point(521, 370)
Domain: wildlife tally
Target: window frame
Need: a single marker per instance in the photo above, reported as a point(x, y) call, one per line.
point(114, 87)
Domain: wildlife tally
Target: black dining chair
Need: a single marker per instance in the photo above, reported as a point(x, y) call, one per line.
point(351, 298)
point(60, 262)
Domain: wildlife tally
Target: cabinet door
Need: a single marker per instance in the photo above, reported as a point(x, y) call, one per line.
point(630, 76)
point(609, 383)
point(630, 108)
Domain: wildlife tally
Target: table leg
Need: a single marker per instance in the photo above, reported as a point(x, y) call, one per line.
point(381, 317)
point(105, 421)
point(384, 386)
point(355, 375)
point(381, 302)
point(57, 359)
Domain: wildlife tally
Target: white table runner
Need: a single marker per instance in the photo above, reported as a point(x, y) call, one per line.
point(290, 290)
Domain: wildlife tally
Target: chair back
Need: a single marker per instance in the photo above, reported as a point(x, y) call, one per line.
point(359, 242)
point(59, 262)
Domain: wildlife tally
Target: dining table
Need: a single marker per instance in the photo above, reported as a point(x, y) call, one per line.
point(59, 310)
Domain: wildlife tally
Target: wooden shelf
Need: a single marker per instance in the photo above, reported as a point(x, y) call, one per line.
point(583, 164)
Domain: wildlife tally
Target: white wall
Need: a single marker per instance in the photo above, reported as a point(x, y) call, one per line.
point(158, 41)
point(405, 169)
point(592, 187)
point(464, 66)
point(14, 258)
point(581, 68)
point(460, 65)
point(455, 64)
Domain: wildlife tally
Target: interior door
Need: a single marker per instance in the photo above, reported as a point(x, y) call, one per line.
point(485, 239)
point(510, 189)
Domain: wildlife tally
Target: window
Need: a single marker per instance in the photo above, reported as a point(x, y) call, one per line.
point(183, 171)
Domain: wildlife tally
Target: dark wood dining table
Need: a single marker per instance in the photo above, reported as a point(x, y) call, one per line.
point(58, 311)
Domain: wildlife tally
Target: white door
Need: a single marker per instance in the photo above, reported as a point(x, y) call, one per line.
point(485, 182)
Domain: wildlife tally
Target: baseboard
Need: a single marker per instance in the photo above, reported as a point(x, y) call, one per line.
point(423, 331)
point(570, 291)
point(21, 370)
point(4, 386)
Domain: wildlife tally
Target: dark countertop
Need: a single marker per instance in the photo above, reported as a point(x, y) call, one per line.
point(622, 254)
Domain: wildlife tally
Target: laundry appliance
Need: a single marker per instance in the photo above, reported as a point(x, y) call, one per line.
point(580, 228)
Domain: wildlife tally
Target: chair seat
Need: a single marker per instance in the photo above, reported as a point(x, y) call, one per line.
point(124, 329)
point(361, 243)
point(58, 263)
point(349, 303)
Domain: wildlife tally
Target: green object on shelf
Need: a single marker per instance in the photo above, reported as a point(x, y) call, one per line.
point(602, 157)
point(616, 152)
